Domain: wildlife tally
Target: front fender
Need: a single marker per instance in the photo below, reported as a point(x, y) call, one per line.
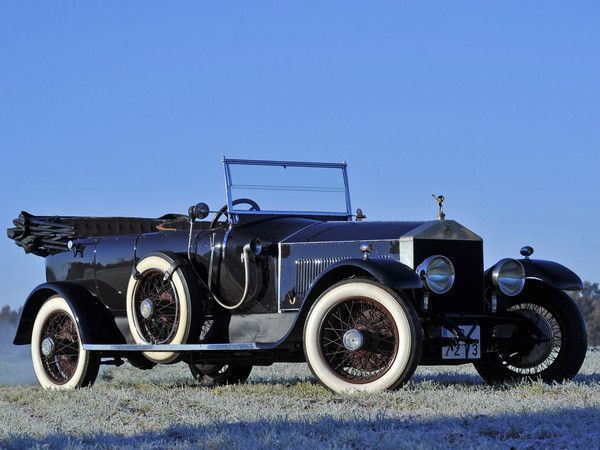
point(389, 272)
point(552, 273)
point(94, 321)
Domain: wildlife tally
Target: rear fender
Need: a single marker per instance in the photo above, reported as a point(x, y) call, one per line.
point(95, 322)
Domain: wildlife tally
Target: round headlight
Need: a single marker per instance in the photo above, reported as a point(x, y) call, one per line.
point(509, 276)
point(438, 273)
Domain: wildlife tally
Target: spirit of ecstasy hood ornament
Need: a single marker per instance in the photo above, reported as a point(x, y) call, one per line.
point(439, 199)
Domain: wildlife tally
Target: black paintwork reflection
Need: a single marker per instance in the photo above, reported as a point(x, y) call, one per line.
point(351, 231)
point(114, 262)
point(467, 257)
point(67, 266)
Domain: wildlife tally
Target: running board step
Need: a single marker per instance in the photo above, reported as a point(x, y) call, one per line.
point(173, 347)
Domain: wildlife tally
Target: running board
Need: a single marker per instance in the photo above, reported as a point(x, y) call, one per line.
point(172, 347)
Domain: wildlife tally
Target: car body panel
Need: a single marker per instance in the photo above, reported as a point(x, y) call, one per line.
point(552, 273)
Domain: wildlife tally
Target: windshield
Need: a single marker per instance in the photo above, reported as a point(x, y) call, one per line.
point(288, 187)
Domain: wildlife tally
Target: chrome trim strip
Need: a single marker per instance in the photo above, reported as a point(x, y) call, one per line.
point(347, 185)
point(407, 254)
point(341, 242)
point(446, 229)
point(228, 190)
point(266, 162)
point(293, 213)
point(172, 347)
point(279, 277)
point(210, 264)
point(225, 239)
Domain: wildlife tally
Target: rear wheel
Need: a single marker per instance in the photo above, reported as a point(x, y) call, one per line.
point(360, 336)
point(211, 375)
point(559, 341)
point(59, 361)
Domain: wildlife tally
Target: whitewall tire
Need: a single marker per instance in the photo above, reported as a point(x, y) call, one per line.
point(159, 311)
point(59, 361)
point(361, 337)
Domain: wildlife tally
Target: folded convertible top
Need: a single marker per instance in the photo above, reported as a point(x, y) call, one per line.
point(46, 235)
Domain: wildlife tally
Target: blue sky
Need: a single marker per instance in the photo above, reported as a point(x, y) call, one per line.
point(125, 108)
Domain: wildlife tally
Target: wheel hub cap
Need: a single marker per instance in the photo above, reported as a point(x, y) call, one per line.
point(47, 346)
point(146, 308)
point(353, 339)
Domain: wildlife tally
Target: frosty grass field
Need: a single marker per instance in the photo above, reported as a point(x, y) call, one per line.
point(282, 406)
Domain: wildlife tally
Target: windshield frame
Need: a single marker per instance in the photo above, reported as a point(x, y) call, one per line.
point(227, 162)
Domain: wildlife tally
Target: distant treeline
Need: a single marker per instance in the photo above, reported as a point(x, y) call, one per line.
point(8, 315)
point(588, 301)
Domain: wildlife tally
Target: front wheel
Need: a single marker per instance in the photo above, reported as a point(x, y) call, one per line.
point(559, 341)
point(59, 360)
point(360, 336)
point(211, 375)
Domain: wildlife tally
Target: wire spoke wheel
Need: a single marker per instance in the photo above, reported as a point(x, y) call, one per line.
point(543, 354)
point(58, 358)
point(359, 340)
point(59, 348)
point(548, 344)
point(156, 307)
point(360, 336)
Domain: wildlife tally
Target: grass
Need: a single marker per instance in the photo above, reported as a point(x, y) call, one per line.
point(282, 406)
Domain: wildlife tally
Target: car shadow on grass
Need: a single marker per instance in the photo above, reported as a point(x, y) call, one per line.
point(442, 379)
point(587, 378)
point(447, 379)
point(552, 428)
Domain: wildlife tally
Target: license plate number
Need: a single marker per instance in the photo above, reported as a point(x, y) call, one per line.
point(462, 350)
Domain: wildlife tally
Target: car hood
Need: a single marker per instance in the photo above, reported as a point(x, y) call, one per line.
point(372, 231)
point(351, 231)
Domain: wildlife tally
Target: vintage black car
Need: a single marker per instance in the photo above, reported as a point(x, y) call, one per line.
point(363, 302)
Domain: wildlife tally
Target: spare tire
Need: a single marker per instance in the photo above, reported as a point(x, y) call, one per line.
point(163, 305)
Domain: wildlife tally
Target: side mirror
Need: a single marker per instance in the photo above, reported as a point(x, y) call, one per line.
point(198, 211)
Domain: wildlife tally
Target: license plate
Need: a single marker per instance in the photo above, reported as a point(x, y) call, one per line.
point(462, 350)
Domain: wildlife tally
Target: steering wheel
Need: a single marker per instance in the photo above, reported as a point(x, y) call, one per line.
point(253, 207)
